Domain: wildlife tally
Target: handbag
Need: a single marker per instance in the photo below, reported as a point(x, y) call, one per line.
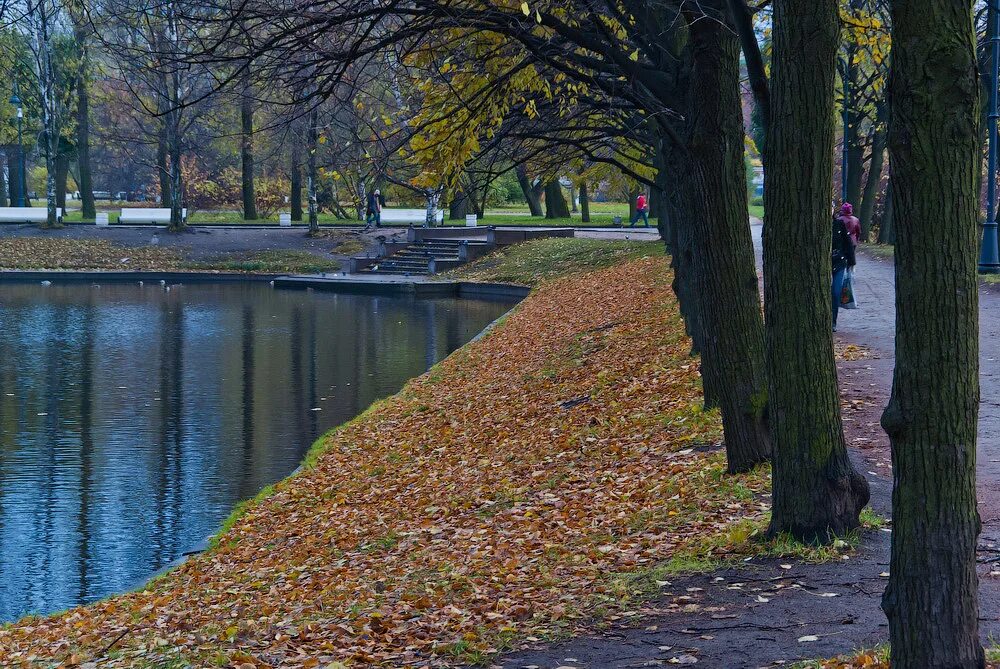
point(848, 300)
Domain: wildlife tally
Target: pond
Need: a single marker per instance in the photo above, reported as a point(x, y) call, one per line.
point(133, 418)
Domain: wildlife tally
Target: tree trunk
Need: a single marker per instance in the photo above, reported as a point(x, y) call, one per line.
point(555, 202)
point(531, 195)
point(874, 173)
point(852, 133)
point(162, 168)
point(62, 176)
point(246, 156)
point(584, 203)
point(311, 175)
point(662, 210)
point(85, 182)
point(430, 214)
point(816, 491)
point(633, 193)
point(733, 352)
point(932, 600)
point(572, 198)
point(459, 206)
point(295, 177)
point(4, 178)
point(886, 231)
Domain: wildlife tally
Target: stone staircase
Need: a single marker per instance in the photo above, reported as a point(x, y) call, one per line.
point(434, 250)
point(424, 257)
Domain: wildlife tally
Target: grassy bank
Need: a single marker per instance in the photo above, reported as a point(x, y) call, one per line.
point(538, 261)
point(494, 497)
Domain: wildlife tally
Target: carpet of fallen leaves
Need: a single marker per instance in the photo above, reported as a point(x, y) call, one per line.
point(494, 498)
point(32, 252)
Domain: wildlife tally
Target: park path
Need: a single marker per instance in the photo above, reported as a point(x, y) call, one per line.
point(764, 614)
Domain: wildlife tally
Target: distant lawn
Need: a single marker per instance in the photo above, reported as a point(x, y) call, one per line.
point(757, 211)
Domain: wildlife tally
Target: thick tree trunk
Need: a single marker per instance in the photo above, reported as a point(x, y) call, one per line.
point(733, 352)
point(85, 183)
point(633, 193)
point(874, 180)
point(816, 491)
point(931, 599)
point(295, 177)
point(246, 158)
point(572, 198)
point(662, 208)
point(531, 195)
point(584, 203)
point(555, 202)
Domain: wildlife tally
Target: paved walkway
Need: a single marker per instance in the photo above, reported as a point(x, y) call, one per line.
point(758, 614)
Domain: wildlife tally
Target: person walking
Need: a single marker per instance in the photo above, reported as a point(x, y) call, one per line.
point(841, 259)
point(851, 222)
point(374, 209)
point(641, 211)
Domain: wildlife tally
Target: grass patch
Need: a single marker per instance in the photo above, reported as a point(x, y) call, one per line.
point(269, 262)
point(536, 261)
point(756, 210)
point(879, 250)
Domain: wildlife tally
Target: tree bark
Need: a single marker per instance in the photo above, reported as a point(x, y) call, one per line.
point(458, 207)
point(531, 195)
point(62, 176)
point(852, 133)
point(572, 198)
point(874, 172)
point(816, 491)
point(932, 600)
point(295, 177)
point(555, 202)
point(4, 178)
point(311, 147)
point(584, 203)
point(246, 156)
point(633, 193)
point(162, 167)
point(886, 231)
point(86, 184)
point(733, 353)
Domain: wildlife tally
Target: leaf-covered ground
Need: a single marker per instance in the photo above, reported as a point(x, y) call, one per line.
point(99, 254)
point(495, 498)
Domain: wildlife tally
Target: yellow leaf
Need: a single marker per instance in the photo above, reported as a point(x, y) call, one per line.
point(525, 9)
point(635, 55)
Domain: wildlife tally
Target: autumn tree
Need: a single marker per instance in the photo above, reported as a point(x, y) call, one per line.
point(931, 599)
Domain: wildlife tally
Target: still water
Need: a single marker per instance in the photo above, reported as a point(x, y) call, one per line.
point(133, 418)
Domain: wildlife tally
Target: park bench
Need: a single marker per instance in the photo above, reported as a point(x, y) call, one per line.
point(415, 216)
point(27, 214)
point(162, 216)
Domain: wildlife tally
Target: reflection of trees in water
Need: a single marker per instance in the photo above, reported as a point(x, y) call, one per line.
point(244, 488)
point(111, 474)
point(168, 508)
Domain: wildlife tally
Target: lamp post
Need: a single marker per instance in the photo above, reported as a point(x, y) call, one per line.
point(989, 254)
point(16, 101)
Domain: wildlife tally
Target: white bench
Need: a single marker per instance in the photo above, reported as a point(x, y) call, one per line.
point(148, 216)
point(416, 216)
point(27, 214)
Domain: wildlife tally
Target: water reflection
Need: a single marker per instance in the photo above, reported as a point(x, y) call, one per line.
point(132, 419)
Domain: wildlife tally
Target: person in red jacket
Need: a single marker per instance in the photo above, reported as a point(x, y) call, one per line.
point(851, 222)
point(641, 211)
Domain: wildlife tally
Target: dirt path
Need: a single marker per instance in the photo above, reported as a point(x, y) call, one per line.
point(764, 615)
